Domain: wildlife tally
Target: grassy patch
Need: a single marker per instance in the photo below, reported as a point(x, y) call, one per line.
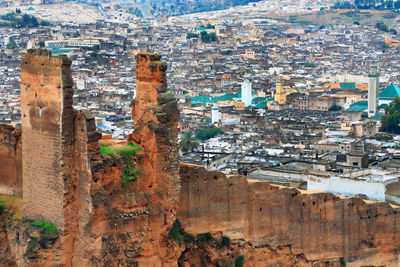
point(45, 225)
point(125, 152)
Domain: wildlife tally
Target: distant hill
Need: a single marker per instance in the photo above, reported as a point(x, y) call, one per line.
point(369, 4)
point(19, 20)
point(180, 7)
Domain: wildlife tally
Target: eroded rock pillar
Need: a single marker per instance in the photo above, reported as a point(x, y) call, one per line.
point(156, 114)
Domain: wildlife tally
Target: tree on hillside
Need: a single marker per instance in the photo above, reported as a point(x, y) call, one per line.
point(11, 45)
point(188, 142)
point(208, 133)
point(391, 120)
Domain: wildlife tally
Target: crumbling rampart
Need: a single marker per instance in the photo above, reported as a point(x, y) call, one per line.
point(133, 222)
point(318, 225)
point(10, 160)
point(47, 124)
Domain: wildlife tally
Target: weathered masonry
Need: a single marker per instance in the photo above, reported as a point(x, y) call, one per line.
point(47, 124)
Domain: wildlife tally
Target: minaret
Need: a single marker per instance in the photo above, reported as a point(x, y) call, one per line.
point(373, 91)
point(246, 93)
point(215, 115)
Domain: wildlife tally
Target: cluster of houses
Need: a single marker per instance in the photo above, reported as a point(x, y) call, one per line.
point(297, 104)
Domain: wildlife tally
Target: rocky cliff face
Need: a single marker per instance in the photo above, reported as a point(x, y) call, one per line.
point(10, 160)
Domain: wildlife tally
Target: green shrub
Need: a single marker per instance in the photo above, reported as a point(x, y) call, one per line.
point(178, 234)
point(175, 231)
point(2, 207)
point(188, 238)
point(342, 262)
point(31, 247)
point(129, 174)
point(208, 133)
point(225, 241)
point(126, 153)
point(239, 261)
point(204, 238)
point(45, 225)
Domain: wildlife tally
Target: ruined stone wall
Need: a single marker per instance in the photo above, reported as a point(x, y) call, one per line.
point(10, 160)
point(156, 114)
point(132, 223)
point(319, 226)
point(47, 126)
point(68, 183)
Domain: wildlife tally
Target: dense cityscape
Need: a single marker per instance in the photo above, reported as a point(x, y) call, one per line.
point(303, 94)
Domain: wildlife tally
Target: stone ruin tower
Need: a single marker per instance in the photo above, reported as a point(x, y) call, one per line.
point(48, 134)
point(63, 172)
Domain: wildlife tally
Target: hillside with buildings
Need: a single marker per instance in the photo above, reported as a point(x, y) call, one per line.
point(265, 134)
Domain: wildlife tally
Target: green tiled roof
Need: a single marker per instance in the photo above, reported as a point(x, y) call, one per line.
point(358, 106)
point(382, 106)
point(376, 117)
point(203, 100)
point(348, 85)
point(390, 92)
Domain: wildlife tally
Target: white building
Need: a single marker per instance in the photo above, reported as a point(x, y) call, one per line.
point(373, 91)
point(215, 115)
point(246, 93)
point(370, 182)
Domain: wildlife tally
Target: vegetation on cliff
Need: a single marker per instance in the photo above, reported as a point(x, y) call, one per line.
point(2, 208)
point(126, 153)
point(11, 205)
point(41, 234)
point(45, 225)
point(239, 261)
point(178, 234)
